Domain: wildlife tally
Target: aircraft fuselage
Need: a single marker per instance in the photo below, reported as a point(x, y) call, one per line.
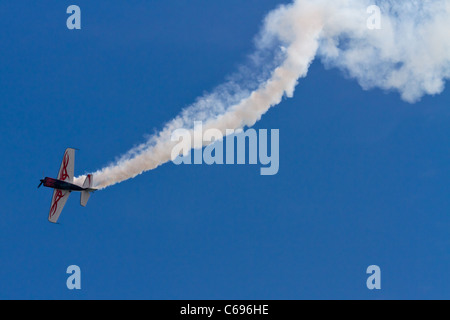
point(61, 185)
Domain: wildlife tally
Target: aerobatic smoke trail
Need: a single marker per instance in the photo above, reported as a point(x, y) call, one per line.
point(410, 54)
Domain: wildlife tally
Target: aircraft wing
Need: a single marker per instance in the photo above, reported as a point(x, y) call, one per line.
point(67, 169)
point(59, 200)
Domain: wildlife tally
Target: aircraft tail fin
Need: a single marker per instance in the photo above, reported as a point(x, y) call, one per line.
point(85, 195)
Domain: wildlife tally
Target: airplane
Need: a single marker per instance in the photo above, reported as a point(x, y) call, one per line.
point(64, 185)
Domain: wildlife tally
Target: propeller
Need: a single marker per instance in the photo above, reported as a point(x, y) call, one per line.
point(42, 180)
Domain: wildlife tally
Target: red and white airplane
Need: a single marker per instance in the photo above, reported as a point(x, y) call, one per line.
point(63, 186)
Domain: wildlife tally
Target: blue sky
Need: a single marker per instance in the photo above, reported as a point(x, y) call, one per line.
point(363, 175)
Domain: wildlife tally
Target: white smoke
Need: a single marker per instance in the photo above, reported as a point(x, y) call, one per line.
point(410, 54)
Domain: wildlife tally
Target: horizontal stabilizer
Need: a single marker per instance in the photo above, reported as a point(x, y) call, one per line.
point(85, 195)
